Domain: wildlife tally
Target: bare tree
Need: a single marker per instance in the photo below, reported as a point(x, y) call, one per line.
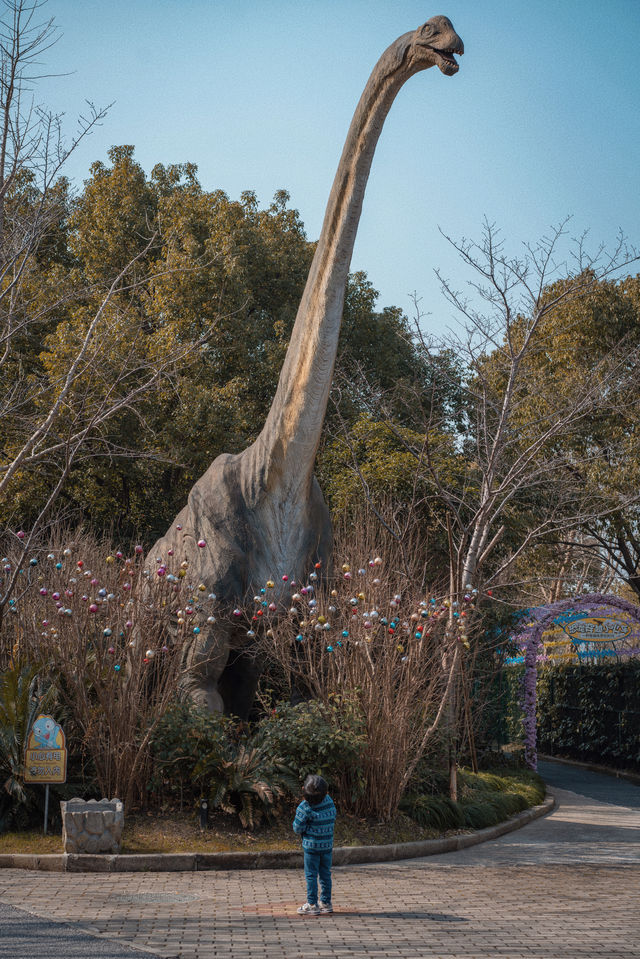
point(515, 475)
point(51, 417)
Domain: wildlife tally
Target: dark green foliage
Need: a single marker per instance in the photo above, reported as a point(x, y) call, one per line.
point(248, 782)
point(312, 738)
point(185, 737)
point(591, 712)
point(485, 799)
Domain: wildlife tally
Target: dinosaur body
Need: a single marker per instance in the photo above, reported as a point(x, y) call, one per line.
point(261, 512)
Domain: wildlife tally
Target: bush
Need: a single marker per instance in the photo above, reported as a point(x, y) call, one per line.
point(316, 738)
point(184, 736)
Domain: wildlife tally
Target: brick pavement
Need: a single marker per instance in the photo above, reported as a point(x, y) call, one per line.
point(565, 887)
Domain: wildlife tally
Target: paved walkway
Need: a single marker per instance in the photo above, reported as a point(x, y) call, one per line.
point(564, 887)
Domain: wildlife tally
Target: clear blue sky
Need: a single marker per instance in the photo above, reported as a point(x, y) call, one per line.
point(542, 120)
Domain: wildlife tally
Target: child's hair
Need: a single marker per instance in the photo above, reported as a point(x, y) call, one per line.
point(314, 789)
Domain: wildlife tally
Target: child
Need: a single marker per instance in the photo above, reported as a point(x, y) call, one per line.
point(314, 821)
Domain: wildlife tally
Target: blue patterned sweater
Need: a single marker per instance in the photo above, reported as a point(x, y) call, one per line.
point(315, 824)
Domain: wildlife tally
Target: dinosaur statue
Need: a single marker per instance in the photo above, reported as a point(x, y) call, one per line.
point(260, 514)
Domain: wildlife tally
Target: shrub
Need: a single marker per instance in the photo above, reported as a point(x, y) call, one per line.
point(185, 735)
point(314, 737)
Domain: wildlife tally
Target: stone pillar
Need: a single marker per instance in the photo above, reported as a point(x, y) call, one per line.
point(92, 826)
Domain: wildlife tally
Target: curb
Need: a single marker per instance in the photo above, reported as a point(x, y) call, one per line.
point(593, 767)
point(272, 859)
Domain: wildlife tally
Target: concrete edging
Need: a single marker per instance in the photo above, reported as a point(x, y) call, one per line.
point(272, 859)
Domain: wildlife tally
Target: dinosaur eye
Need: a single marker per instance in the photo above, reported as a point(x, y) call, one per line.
point(426, 31)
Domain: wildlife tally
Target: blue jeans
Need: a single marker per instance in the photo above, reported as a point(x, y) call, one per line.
point(317, 865)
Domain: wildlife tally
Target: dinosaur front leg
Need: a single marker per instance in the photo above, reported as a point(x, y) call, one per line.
point(203, 664)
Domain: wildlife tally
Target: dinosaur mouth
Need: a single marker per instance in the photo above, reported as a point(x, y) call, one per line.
point(446, 61)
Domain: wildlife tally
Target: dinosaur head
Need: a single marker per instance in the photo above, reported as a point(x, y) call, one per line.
point(434, 45)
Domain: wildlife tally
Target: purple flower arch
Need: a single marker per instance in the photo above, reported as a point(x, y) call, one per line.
point(531, 636)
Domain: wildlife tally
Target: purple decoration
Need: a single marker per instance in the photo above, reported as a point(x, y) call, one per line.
point(531, 636)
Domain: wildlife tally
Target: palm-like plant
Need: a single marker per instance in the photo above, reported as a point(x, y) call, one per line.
point(247, 782)
point(19, 706)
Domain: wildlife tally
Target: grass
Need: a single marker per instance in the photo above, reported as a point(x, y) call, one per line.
point(179, 832)
point(484, 799)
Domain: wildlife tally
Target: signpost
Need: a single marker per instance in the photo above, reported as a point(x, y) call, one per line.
point(45, 758)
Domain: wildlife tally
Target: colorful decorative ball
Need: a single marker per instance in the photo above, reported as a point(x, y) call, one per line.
point(107, 632)
point(93, 608)
point(58, 565)
point(21, 534)
point(202, 543)
point(139, 550)
point(117, 667)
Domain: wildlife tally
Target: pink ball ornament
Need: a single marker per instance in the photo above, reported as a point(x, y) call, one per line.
point(93, 608)
point(55, 596)
point(139, 550)
point(44, 591)
point(94, 582)
point(161, 571)
point(126, 586)
point(202, 543)
point(45, 622)
point(21, 534)
point(128, 624)
point(237, 612)
point(285, 578)
point(119, 555)
point(178, 527)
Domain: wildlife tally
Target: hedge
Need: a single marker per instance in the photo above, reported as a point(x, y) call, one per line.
point(589, 711)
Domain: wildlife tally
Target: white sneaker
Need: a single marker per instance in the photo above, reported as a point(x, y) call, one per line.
point(326, 907)
point(309, 910)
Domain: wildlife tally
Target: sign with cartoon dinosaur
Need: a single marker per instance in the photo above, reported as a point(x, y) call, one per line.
point(45, 759)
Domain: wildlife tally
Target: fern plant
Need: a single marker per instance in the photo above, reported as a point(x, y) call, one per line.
point(248, 783)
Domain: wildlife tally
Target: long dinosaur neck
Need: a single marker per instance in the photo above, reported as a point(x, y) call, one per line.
point(283, 455)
